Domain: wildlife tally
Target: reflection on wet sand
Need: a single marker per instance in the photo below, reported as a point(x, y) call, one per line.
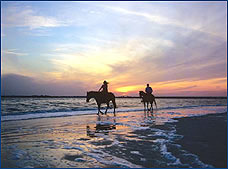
point(103, 125)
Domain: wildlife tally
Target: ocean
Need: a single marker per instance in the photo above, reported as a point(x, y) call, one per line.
point(18, 108)
point(67, 133)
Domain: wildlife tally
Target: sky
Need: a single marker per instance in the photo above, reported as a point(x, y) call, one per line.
point(68, 48)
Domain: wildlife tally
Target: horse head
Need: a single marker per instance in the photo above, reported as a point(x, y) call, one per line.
point(88, 96)
point(141, 93)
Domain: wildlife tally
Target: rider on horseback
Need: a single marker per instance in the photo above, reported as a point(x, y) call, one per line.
point(148, 90)
point(104, 87)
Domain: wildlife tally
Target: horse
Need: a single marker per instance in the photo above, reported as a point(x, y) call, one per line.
point(146, 99)
point(101, 97)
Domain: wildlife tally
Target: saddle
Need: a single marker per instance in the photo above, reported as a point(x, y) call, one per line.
point(149, 96)
point(104, 95)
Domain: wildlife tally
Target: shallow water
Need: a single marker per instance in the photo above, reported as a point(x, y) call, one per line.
point(66, 132)
point(130, 139)
point(26, 108)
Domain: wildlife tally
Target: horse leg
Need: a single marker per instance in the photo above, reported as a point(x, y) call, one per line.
point(107, 107)
point(155, 104)
point(114, 106)
point(151, 108)
point(99, 109)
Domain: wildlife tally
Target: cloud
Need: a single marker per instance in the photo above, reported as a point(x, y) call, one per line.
point(14, 84)
point(194, 93)
point(26, 17)
point(12, 61)
point(205, 17)
point(153, 18)
point(125, 43)
point(13, 52)
point(194, 56)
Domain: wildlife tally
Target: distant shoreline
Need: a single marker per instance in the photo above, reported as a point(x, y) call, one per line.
point(158, 97)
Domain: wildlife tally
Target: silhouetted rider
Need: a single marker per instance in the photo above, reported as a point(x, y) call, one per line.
point(148, 89)
point(104, 87)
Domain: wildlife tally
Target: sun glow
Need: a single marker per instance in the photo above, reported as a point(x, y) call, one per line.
point(126, 89)
point(176, 86)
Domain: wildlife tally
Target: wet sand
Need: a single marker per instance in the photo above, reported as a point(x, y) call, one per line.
point(205, 136)
point(131, 139)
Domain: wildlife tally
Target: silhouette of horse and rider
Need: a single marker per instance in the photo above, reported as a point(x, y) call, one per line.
point(147, 98)
point(103, 96)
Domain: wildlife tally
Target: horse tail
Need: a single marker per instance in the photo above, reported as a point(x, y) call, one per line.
point(155, 103)
point(112, 96)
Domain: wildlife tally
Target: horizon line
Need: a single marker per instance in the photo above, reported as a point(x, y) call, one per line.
point(51, 96)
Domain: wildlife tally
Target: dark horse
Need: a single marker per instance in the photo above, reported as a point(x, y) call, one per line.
point(101, 97)
point(146, 99)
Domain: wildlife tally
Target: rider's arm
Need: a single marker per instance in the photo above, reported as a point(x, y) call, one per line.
point(100, 88)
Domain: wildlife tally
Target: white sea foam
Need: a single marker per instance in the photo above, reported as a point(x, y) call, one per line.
point(159, 112)
point(110, 160)
point(71, 148)
point(135, 152)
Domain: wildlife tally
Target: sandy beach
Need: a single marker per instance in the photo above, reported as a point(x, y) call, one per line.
point(129, 139)
point(205, 136)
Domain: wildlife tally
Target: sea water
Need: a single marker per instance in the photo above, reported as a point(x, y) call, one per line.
point(18, 108)
point(66, 132)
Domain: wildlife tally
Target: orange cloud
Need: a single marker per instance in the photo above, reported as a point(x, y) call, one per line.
point(176, 87)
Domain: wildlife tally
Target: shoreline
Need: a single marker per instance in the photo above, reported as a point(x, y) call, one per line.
point(178, 112)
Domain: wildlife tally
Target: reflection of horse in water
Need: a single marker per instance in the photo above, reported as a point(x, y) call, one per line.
point(102, 97)
point(101, 127)
point(146, 99)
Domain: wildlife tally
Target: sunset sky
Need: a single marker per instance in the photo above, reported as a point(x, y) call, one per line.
point(68, 48)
